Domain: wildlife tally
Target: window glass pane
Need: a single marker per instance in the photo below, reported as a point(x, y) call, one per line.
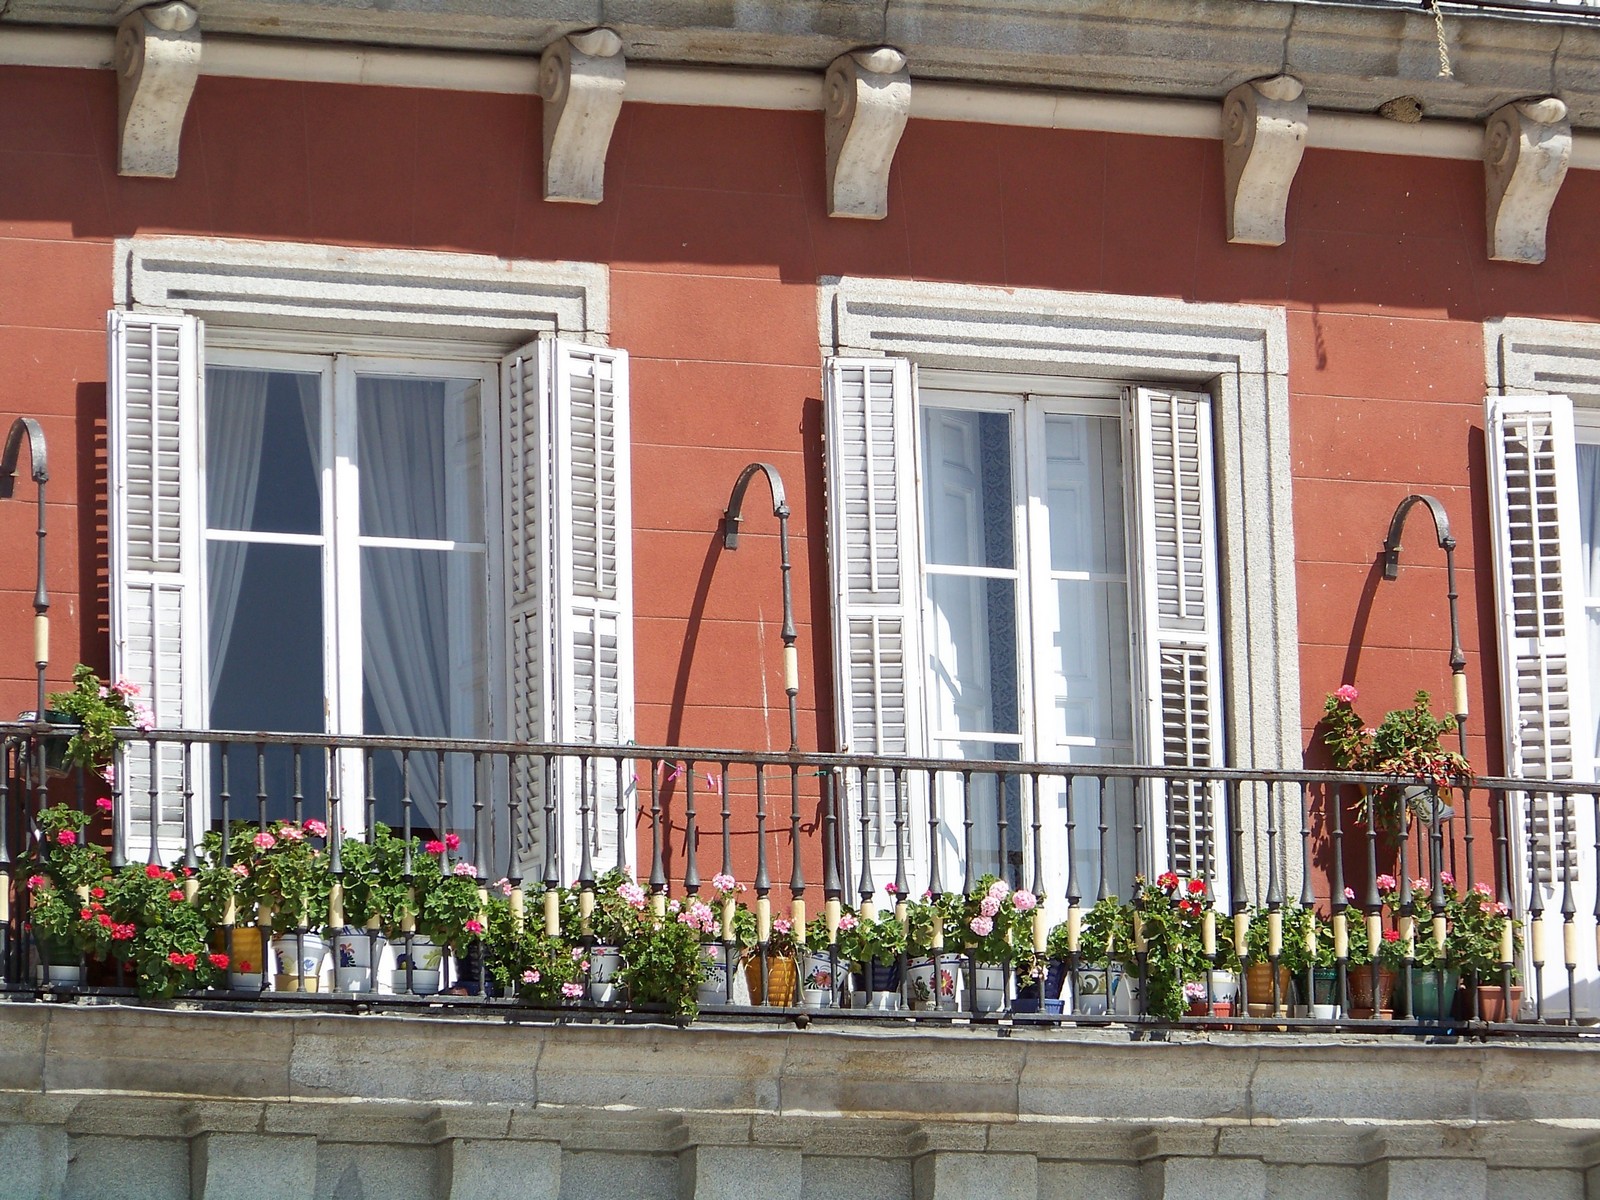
point(1092, 677)
point(972, 655)
point(424, 643)
point(1083, 470)
point(266, 638)
point(968, 506)
point(263, 450)
point(1589, 520)
point(419, 454)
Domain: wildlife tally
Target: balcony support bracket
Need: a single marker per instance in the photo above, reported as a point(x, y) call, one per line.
point(158, 61)
point(581, 80)
point(1263, 138)
point(866, 100)
point(1526, 147)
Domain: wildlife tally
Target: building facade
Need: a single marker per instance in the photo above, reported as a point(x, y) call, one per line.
point(396, 367)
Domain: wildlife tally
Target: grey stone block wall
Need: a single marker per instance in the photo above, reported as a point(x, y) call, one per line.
point(210, 1106)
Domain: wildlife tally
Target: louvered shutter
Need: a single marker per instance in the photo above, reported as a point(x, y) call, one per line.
point(874, 561)
point(1178, 613)
point(1539, 588)
point(591, 539)
point(524, 419)
point(153, 411)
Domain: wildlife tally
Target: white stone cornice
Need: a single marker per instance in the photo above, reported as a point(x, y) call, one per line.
point(867, 99)
point(1526, 148)
point(1263, 137)
point(157, 62)
point(581, 78)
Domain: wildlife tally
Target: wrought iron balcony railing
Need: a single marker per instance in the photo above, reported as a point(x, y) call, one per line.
point(1271, 875)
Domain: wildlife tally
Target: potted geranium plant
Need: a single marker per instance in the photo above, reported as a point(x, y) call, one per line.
point(1170, 914)
point(1102, 982)
point(1404, 744)
point(525, 961)
point(874, 943)
point(619, 915)
point(286, 878)
point(170, 951)
point(1481, 926)
point(96, 709)
point(771, 970)
point(63, 871)
point(996, 927)
point(662, 963)
point(933, 966)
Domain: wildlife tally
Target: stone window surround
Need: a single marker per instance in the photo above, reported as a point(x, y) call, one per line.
point(1239, 354)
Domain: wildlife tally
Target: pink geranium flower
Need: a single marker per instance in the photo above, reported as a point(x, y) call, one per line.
point(982, 926)
point(452, 841)
point(265, 841)
point(1346, 693)
point(1023, 900)
point(67, 837)
point(572, 990)
point(104, 804)
point(316, 828)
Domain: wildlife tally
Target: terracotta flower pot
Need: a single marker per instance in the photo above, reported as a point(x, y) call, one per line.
point(1362, 1005)
point(1492, 1004)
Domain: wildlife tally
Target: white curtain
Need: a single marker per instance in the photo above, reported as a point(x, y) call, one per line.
point(418, 606)
point(236, 414)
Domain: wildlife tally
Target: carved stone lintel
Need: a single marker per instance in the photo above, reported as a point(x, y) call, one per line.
point(868, 97)
point(1526, 146)
point(1263, 137)
point(581, 78)
point(158, 60)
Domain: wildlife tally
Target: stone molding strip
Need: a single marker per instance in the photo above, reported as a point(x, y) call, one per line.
point(780, 90)
point(466, 299)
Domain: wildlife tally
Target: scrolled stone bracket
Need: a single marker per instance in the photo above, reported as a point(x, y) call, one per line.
point(1263, 138)
point(157, 62)
point(1526, 147)
point(581, 79)
point(867, 98)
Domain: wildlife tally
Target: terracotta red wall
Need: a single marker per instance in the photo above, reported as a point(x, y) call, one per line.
point(715, 230)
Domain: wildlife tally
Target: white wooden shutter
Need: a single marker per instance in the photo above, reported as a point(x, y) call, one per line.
point(1178, 614)
point(156, 540)
point(592, 538)
point(1539, 588)
point(526, 473)
point(570, 601)
point(874, 562)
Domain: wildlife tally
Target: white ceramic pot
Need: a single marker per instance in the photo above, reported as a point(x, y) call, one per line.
point(989, 989)
point(424, 974)
point(936, 985)
point(605, 964)
point(297, 961)
point(1224, 987)
point(714, 988)
point(816, 980)
point(355, 952)
point(64, 976)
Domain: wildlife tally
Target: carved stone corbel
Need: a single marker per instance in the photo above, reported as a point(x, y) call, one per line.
point(1263, 137)
point(868, 99)
point(1526, 147)
point(158, 60)
point(581, 78)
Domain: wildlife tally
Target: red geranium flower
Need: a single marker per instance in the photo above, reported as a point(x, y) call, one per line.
point(151, 871)
point(175, 895)
point(219, 961)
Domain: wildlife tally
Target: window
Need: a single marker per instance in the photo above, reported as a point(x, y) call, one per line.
point(1020, 598)
point(1038, 526)
point(349, 520)
point(361, 607)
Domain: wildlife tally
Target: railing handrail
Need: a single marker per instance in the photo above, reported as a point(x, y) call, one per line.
point(834, 760)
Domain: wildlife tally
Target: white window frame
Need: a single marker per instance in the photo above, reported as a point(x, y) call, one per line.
point(1237, 353)
point(414, 311)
